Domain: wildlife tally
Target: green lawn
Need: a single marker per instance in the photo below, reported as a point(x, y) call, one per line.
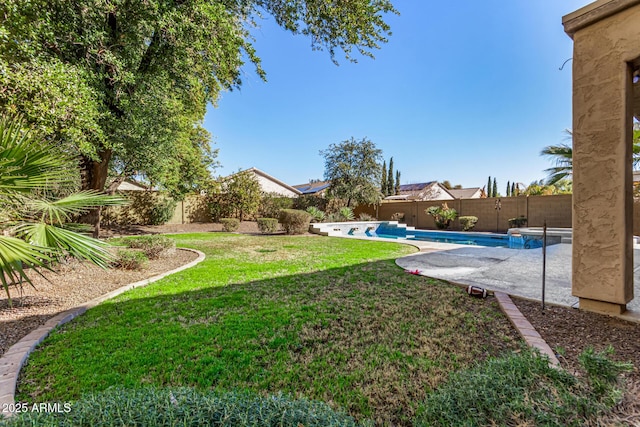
point(329, 319)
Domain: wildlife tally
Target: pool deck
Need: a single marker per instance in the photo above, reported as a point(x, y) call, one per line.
point(517, 272)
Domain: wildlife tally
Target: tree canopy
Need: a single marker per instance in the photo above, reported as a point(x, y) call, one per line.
point(354, 169)
point(125, 84)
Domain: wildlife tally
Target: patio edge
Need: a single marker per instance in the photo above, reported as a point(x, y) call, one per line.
point(524, 327)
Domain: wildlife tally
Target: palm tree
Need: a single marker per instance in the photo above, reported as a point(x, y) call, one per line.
point(563, 156)
point(37, 207)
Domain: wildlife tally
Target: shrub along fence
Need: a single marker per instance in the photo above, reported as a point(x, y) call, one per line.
point(149, 207)
point(555, 209)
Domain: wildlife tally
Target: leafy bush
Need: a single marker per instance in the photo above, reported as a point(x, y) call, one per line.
point(162, 211)
point(218, 206)
point(153, 246)
point(468, 222)
point(519, 390)
point(517, 222)
point(188, 408)
point(346, 214)
point(316, 214)
point(333, 217)
point(129, 259)
point(366, 217)
point(306, 201)
point(272, 203)
point(267, 225)
point(442, 215)
point(230, 224)
point(294, 221)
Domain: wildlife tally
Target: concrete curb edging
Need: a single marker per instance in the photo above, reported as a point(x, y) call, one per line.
point(12, 361)
point(525, 328)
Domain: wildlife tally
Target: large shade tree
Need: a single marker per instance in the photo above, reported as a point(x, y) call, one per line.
point(354, 169)
point(144, 71)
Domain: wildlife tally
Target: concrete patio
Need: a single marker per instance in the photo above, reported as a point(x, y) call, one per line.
point(514, 271)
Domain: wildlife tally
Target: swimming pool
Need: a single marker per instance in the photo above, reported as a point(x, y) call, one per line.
point(394, 230)
point(460, 238)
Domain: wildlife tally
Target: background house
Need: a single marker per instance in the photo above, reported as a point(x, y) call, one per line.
point(433, 190)
point(467, 193)
point(269, 184)
point(130, 185)
point(422, 191)
point(316, 188)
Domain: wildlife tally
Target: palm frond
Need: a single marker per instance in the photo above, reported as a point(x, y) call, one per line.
point(64, 242)
point(26, 163)
point(60, 211)
point(558, 173)
point(14, 254)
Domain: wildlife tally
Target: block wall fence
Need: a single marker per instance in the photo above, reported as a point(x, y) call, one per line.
point(557, 210)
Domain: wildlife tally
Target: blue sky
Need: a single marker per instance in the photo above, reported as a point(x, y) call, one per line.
point(458, 93)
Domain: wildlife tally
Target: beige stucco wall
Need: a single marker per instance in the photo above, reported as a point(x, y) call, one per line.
point(269, 186)
point(603, 205)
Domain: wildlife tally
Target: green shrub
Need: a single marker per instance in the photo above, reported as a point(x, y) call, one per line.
point(294, 221)
point(442, 215)
point(267, 225)
point(518, 222)
point(230, 224)
point(162, 211)
point(153, 246)
point(306, 201)
point(188, 408)
point(272, 203)
point(520, 389)
point(316, 214)
point(346, 214)
point(467, 222)
point(366, 217)
point(130, 259)
point(218, 206)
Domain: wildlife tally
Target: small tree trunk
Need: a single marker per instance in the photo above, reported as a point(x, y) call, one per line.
point(94, 177)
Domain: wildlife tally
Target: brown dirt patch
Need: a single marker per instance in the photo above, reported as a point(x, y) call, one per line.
point(246, 227)
point(573, 330)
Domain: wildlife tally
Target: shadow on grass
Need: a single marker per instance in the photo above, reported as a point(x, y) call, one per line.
point(366, 337)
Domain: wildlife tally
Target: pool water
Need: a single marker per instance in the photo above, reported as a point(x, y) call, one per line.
point(387, 231)
point(451, 237)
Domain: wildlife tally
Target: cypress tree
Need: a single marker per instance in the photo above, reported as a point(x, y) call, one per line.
point(508, 189)
point(514, 189)
point(390, 186)
point(397, 189)
point(489, 187)
point(495, 187)
point(383, 180)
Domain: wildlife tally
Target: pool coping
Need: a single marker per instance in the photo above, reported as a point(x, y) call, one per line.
point(15, 357)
